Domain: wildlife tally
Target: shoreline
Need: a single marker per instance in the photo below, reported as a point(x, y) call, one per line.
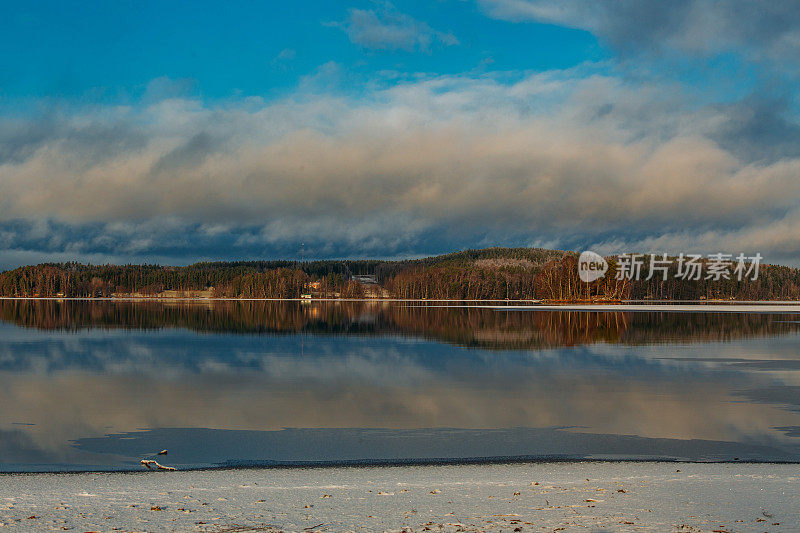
point(532, 302)
point(683, 306)
point(620, 496)
point(393, 463)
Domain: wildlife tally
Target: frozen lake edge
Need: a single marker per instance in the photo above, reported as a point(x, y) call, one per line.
point(598, 496)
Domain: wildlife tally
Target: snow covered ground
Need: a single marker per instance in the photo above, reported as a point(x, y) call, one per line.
point(586, 496)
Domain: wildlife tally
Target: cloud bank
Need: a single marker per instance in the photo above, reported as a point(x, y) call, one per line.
point(569, 159)
point(759, 30)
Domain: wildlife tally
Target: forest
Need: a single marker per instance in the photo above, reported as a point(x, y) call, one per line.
point(487, 274)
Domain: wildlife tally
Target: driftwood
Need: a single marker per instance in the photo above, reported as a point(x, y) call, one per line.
point(149, 463)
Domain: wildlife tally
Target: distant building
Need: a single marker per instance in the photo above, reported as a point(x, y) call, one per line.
point(367, 279)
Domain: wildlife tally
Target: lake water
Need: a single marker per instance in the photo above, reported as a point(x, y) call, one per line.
point(102, 385)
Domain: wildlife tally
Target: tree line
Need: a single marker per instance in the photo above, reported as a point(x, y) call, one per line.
point(489, 274)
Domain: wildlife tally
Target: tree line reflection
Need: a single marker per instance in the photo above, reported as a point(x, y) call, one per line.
point(463, 326)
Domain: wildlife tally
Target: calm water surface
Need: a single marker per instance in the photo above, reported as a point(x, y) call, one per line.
point(102, 385)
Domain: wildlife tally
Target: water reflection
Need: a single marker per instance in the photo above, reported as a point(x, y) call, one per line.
point(465, 326)
point(103, 383)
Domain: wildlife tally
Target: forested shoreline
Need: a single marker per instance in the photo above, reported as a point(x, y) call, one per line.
point(487, 274)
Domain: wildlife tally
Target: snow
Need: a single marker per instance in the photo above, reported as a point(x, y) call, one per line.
point(591, 496)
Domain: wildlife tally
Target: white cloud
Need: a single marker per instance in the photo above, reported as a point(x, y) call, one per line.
point(287, 54)
point(284, 58)
point(567, 157)
point(387, 29)
point(759, 30)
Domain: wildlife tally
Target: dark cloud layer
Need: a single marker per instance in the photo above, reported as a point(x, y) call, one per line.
point(564, 159)
point(760, 129)
point(760, 30)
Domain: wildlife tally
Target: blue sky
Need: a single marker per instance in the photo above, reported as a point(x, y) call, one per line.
point(183, 131)
point(109, 52)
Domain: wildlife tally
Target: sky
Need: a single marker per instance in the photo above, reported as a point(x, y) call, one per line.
point(175, 132)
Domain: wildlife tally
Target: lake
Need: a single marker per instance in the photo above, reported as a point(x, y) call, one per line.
point(100, 385)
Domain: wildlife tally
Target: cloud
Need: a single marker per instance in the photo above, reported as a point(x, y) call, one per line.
point(570, 158)
point(779, 238)
point(386, 29)
point(758, 128)
point(287, 54)
point(761, 30)
point(284, 58)
point(163, 88)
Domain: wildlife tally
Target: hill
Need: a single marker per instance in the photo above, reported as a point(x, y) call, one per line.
point(485, 274)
